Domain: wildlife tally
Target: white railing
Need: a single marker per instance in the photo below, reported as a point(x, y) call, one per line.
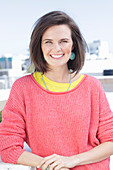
point(6, 166)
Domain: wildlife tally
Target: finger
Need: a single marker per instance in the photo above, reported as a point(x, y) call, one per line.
point(60, 166)
point(46, 159)
point(41, 163)
point(48, 162)
point(53, 165)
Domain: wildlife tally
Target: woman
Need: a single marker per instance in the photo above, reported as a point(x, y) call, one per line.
point(63, 116)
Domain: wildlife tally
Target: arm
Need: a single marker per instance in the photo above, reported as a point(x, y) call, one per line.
point(12, 131)
point(12, 127)
point(94, 155)
point(29, 159)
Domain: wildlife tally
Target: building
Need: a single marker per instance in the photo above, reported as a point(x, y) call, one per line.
point(11, 68)
point(99, 49)
point(5, 62)
point(98, 59)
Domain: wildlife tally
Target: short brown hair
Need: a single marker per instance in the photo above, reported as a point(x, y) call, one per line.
point(45, 22)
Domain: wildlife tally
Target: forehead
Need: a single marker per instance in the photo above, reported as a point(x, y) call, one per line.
point(56, 31)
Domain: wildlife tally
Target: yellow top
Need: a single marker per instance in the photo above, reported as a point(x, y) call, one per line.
point(55, 86)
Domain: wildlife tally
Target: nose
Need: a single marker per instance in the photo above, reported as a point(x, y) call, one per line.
point(57, 47)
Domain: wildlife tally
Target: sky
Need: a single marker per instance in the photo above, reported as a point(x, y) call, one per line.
point(94, 18)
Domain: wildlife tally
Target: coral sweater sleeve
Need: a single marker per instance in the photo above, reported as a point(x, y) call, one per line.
point(100, 105)
point(12, 128)
point(105, 131)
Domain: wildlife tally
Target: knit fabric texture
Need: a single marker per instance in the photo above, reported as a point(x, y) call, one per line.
point(65, 123)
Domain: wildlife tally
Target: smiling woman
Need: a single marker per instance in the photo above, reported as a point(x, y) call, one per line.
point(63, 116)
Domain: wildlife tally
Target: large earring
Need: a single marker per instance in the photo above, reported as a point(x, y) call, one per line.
point(72, 57)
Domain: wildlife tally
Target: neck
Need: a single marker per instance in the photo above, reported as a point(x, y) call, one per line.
point(61, 75)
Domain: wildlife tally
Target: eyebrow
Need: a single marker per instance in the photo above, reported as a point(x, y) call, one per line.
point(47, 39)
point(52, 39)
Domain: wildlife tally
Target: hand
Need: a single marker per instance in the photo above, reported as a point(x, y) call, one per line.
point(57, 162)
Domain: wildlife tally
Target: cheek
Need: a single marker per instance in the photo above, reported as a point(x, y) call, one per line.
point(46, 50)
point(68, 49)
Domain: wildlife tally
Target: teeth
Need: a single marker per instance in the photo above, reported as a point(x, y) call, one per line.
point(57, 56)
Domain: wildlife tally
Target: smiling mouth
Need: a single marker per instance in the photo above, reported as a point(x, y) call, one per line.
point(57, 56)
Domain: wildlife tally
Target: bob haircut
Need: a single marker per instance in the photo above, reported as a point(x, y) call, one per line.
point(45, 22)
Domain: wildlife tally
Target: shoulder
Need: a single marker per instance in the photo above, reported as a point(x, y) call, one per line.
point(91, 79)
point(93, 82)
point(22, 82)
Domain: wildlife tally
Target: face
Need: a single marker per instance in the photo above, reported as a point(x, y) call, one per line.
point(57, 45)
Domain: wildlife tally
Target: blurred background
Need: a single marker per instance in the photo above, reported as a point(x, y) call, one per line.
point(94, 18)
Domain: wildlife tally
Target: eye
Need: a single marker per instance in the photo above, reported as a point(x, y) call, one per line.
point(48, 42)
point(64, 41)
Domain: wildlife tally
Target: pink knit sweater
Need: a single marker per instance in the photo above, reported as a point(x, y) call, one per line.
point(65, 123)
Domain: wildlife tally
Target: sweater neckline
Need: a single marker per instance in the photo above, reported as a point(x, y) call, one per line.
point(51, 92)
